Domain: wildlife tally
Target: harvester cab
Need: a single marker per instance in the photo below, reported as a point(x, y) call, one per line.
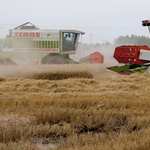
point(135, 58)
point(29, 45)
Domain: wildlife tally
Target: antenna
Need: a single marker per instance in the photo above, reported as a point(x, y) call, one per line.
point(91, 40)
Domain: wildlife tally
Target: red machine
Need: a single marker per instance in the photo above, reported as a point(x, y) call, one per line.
point(96, 57)
point(135, 58)
point(129, 54)
point(93, 58)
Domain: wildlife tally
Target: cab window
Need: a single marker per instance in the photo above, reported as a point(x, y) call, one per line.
point(70, 41)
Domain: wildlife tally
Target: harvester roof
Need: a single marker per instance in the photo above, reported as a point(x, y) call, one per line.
point(26, 26)
point(31, 27)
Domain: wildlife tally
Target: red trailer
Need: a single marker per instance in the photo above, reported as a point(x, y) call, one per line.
point(96, 57)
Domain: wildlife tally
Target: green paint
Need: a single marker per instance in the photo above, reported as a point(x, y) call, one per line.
point(139, 70)
point(34, 43)
point(31, 55)
point(120, 69)
point(126, 68)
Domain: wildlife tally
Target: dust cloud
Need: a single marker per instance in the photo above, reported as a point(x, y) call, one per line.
point(96, 70)
point(29, 72)
point(106, 50)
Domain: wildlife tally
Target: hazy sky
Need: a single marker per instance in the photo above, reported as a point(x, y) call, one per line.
point(105, 19)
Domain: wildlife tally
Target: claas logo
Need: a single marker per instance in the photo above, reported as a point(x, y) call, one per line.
point(27, 34)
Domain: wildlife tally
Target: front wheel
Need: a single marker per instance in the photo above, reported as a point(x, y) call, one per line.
point(55, 60)
point(2, 62)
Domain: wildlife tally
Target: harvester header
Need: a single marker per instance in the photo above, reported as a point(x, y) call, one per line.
point(135, 58)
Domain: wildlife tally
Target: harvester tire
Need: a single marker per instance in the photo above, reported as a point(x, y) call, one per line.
point(2, 62)
point(55, 60)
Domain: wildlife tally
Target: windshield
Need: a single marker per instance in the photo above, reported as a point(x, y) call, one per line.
point(70, 41)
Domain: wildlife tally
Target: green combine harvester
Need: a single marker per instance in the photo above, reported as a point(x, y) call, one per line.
point(29, 45)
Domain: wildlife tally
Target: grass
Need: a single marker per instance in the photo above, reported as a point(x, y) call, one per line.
point(76, 113)
point(62, 75)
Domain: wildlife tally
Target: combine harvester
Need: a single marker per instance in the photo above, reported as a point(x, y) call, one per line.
point(29, 45)
point(135, 58)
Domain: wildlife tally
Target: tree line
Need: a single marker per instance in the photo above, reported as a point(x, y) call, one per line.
point(108, 48)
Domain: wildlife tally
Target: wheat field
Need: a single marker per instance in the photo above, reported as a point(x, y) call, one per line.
point(74, 107)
